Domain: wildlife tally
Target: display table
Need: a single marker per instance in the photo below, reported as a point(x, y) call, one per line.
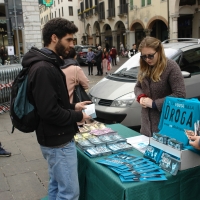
point(97, 182)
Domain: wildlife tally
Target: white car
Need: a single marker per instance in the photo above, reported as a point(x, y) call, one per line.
point(114, 96)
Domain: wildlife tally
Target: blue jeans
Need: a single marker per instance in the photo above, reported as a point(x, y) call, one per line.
point(62, 166)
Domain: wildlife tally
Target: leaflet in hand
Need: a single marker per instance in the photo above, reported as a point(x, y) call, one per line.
point(90, 110)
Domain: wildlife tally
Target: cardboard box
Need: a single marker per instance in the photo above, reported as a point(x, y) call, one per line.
point(188, 158)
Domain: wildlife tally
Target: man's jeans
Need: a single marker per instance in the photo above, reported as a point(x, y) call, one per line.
point(62, 166)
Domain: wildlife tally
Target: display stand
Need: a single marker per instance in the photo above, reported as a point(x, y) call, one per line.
point(188, 158)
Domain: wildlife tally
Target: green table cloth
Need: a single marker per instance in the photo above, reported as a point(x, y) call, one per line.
point(97, 182)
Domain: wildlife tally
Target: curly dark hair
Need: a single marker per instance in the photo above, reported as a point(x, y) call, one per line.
point(58, 26)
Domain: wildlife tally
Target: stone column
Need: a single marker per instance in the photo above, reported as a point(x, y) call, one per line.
point(94, 39)
point(32, 30)
point(114, 38)
point(147, 32)
point(174, 26)
point(103, 45)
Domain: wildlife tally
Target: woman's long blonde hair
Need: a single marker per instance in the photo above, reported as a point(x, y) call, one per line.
point(155, 72)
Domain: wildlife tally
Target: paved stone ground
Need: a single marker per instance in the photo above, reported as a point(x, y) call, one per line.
point(24, 175)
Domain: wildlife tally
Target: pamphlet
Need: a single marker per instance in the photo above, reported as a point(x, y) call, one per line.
point(90, 110)
point(139, 142)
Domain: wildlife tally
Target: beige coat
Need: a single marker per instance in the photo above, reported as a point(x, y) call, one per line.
point(75, 74)
point(171, 84)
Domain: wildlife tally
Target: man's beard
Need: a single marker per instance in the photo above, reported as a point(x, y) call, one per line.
point(61, 50)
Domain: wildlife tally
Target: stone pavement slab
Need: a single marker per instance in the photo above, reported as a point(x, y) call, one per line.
point(24, 175)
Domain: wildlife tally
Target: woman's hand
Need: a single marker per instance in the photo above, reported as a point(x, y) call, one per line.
point(146, 102)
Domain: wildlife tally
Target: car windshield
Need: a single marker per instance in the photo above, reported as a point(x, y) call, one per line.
point(130, 67)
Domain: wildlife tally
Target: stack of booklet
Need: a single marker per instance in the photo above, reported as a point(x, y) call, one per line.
point(97, 140)
point(132, 168)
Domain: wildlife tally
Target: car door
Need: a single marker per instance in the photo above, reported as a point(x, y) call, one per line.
point(190, 62)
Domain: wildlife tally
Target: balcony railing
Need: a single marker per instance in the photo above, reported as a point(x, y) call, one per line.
point(111, 13)
point(101, 15)
point(123, 9)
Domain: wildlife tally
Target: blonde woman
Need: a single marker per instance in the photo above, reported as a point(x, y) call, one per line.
point(158, 77)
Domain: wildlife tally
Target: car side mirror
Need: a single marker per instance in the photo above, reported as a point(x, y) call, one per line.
point(186, 74)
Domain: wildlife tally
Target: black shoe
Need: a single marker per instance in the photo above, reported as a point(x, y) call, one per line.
point(88, 74)
point(96, 74)
point(91, 74)
point(3, 152)
point(106, 73)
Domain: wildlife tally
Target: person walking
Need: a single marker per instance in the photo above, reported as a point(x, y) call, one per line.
point(99, 62)
point(105, 60)
point(113, 54)
point(57, 126)
point(74, 73)
point(90, 58)
point(121, 48)
point(133, 51)
point(158, 77)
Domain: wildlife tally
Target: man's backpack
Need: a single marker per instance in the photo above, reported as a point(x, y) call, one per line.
point(22, 113)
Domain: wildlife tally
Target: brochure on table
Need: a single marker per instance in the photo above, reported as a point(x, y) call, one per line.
point(139, 142)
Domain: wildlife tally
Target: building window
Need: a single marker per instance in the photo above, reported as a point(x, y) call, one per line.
point(62, 12)
point(143, 3)
point(131, 4)
point(55, 14)
point(70, 11)
point(148, 2)
point(52, 16)
point(59, 12)
point(54, 3)
point(72, 21)
point(58, 1)
point(69, 0)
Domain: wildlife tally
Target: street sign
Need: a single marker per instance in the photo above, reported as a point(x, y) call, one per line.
point(47, 3)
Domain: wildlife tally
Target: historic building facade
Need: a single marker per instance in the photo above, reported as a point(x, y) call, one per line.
point(103, 22)
point(184, 18)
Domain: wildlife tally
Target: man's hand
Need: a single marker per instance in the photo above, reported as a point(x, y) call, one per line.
point(81, 106)
point(195, 142)
point(85, 117)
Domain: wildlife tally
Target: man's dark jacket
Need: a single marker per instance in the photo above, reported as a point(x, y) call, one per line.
point(133, 52)
point(99, 56)
point(48, 92)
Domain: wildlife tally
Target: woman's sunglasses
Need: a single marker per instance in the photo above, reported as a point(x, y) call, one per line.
point(149, 56)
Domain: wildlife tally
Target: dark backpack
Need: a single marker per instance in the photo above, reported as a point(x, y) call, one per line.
point(22, 113)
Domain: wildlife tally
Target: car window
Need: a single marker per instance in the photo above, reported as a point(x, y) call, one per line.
point(190, 61)
point(134, 60)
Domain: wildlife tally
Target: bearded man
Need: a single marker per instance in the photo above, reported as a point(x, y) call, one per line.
point(47, 90)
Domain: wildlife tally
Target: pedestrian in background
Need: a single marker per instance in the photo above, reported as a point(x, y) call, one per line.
point(90, 57)
point(74, 73)
point(99, 62)
point(105, 60)
point(133, 51)
point(57, 117)
point(121, 47)
point(158, 77)
point(3, 54)
point(113, 53)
